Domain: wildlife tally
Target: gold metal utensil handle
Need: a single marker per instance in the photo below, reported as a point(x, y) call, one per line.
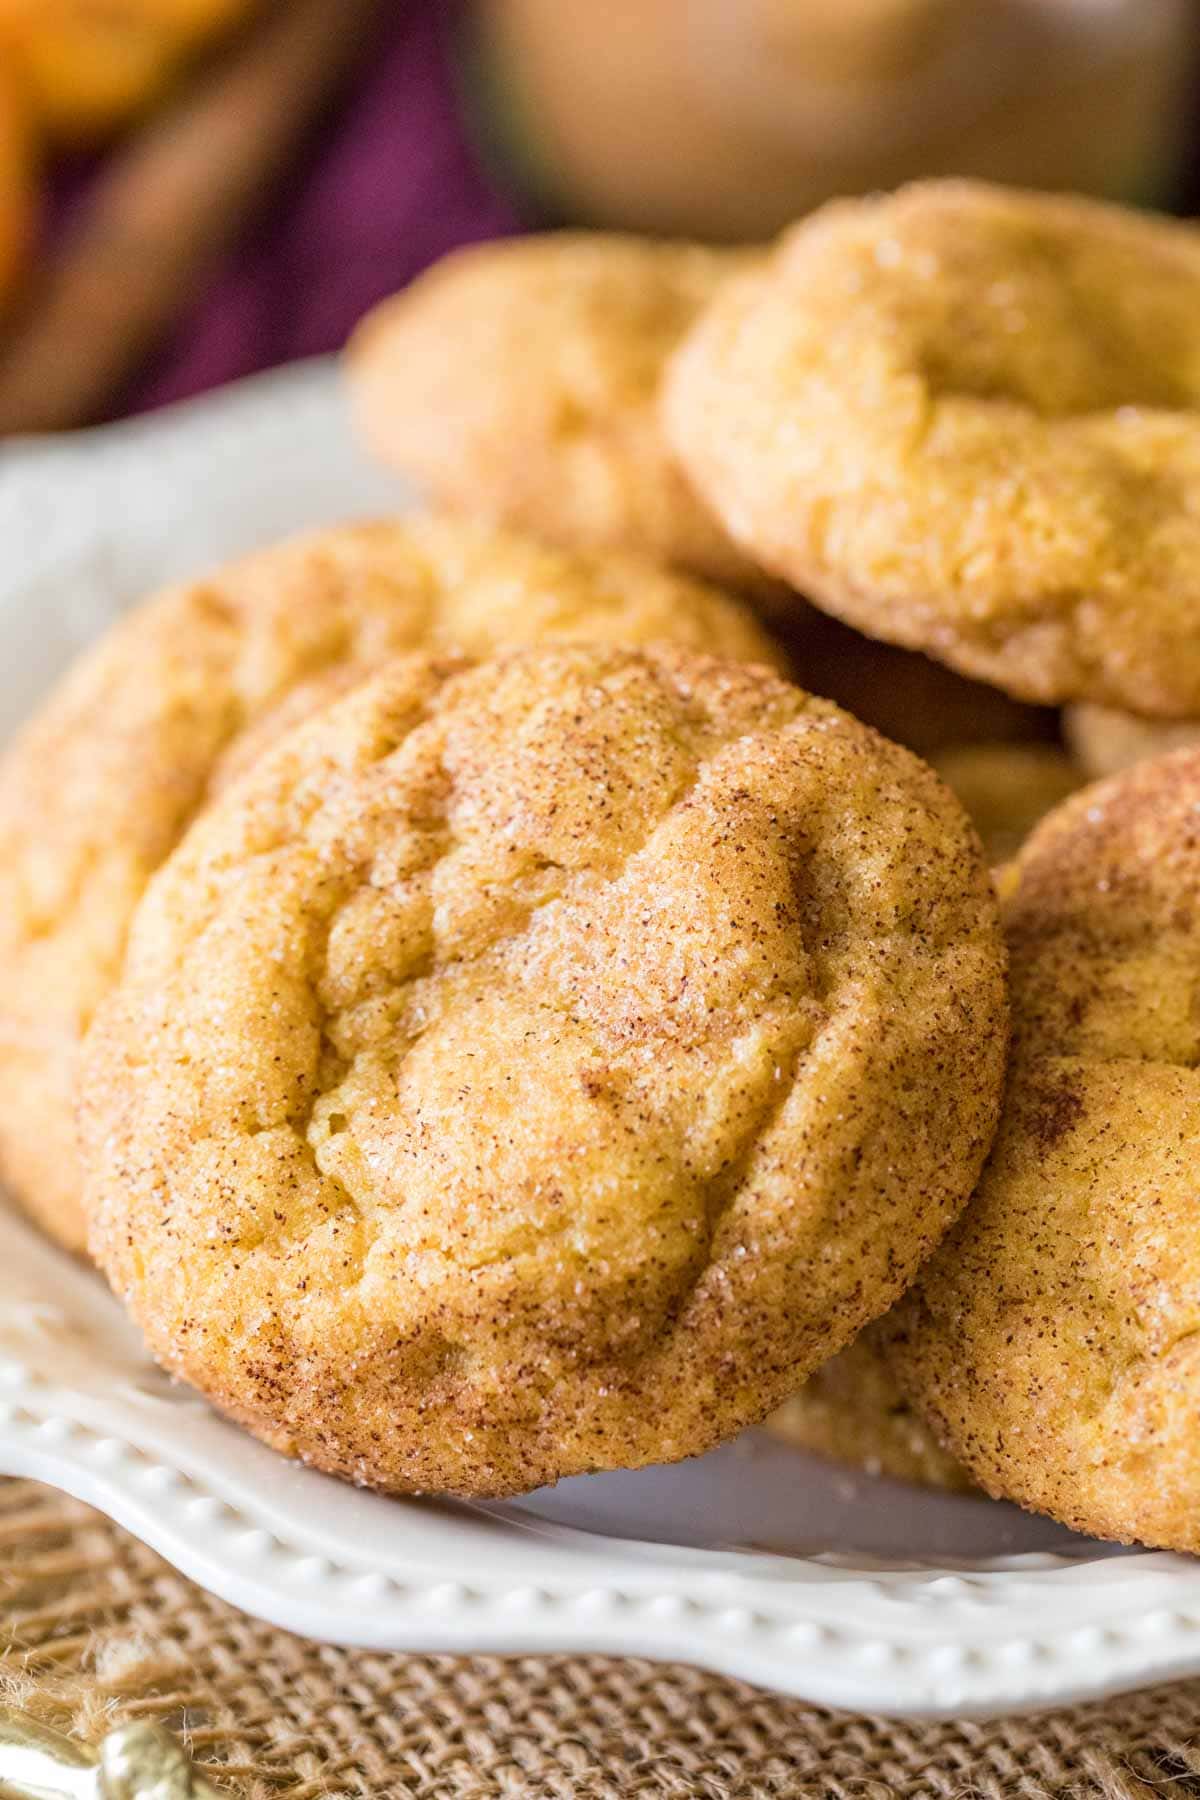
point(135, 1762)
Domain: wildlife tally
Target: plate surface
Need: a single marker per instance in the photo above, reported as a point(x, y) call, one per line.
point(757, 1560)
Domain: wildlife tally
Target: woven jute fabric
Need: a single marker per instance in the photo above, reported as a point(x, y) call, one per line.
point(98, 1630)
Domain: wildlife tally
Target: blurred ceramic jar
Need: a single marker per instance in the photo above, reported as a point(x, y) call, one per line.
point(725, 118)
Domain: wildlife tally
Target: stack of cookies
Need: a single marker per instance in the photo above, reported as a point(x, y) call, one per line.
point(491, 1020)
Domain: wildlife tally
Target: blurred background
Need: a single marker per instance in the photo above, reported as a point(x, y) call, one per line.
point(193, 190)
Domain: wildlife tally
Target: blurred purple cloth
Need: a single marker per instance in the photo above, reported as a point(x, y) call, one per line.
point(389, 185)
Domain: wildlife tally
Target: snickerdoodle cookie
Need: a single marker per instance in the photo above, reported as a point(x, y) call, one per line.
point(1007, 788)
point(100, 786)
point(1054, 1341)
point(1105, 740)
point(852, 1411)
point(541, 1066)
point(967, 420)
point(520, 380)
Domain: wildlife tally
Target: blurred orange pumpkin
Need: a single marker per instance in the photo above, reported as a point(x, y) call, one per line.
point(17, 180)
point(89, 65)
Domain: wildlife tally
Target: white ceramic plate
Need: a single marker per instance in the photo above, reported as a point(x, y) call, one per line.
point(757, 1560)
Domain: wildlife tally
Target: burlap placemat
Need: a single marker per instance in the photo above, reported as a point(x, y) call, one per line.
point(98, 1630)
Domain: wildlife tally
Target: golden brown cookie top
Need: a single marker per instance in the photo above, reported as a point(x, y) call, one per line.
point(542, 1066)
point(98, 789)
point(520, 380)
point(1054, 1338)
point(967, 419)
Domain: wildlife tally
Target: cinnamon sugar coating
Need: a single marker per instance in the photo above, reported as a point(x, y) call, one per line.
point(1054, 1341)
point(99, 787)
point(520, 380)
point(542, 1066)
